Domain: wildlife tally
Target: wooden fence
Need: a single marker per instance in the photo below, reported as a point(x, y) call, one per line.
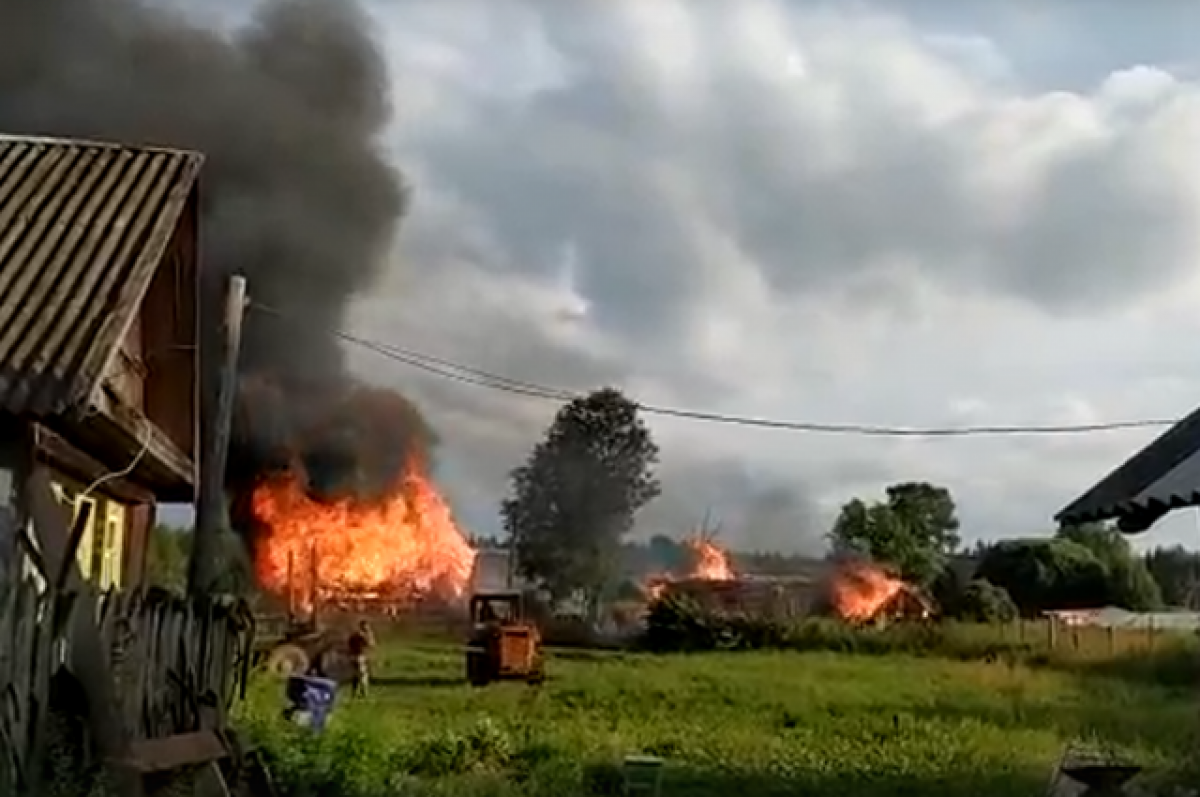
point(88, 681)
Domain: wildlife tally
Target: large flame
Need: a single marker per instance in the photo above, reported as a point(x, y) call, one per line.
point(707, 561)
point(404, 548)
point(861, 591)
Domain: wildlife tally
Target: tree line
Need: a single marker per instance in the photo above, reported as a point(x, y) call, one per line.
point(573, 503)
point(914, 531)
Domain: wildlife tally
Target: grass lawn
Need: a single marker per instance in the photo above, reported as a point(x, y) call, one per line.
point(748, 723)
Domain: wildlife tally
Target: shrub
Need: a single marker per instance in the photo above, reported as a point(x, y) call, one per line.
point(679, 624)
point(984, 602)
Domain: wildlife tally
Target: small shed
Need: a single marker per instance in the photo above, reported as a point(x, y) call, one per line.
point(98, 339)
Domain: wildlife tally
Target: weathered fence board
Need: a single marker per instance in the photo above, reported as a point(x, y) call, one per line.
point(176, 665)
point(150, 664)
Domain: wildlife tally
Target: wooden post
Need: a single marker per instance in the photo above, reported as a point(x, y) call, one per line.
point(291, 588)
point(216, 420)
point(314, 589)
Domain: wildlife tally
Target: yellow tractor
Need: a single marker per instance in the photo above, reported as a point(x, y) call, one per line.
point(504, 644)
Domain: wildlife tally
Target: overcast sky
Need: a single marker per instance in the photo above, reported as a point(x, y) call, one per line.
point(912, 214)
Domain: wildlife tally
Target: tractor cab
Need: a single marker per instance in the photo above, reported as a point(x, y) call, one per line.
point(504, 645)
point(496, 607)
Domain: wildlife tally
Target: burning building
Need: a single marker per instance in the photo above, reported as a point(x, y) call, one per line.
point(302, 200)
point(862, 592)
point(855, 591)
point(704, 562)
point(402, 549)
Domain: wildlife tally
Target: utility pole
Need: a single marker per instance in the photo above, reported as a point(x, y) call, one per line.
point(216, 420)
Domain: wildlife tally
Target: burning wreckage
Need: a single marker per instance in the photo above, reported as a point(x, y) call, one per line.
point(857, 592)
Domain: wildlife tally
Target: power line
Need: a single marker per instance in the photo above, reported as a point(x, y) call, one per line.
point(475, 376)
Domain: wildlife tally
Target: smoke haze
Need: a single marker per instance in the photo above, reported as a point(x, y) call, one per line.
point(296, 194)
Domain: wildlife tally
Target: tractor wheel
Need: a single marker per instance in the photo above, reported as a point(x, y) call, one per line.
point(287, 660)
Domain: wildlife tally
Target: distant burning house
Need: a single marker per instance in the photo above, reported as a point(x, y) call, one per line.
point(857, 592)
point(773, 597)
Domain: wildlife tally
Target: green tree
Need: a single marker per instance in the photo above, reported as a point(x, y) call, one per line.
point(1130, 584)
point(1046, 574)
point(575, 498)
point(984, 602)
point(1177, 572)
point(915, 529)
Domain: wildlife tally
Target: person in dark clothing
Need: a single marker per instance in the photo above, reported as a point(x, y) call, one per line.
point(362, 641)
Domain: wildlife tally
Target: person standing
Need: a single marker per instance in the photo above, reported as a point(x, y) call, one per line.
point(362, 642)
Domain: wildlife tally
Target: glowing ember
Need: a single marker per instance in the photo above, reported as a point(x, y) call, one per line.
point(404, 548)
point(861, 591)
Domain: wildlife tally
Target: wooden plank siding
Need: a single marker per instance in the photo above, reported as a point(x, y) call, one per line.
point(153, 665)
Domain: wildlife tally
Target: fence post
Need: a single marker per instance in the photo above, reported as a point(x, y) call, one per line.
point(1112, 640)
point(1052, 633)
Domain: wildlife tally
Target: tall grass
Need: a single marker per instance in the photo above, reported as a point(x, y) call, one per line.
point(756, 722)
point(1160, 656)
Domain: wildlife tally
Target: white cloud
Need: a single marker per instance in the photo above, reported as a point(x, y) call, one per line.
point(823, 216)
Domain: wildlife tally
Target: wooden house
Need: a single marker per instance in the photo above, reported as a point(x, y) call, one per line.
point(98, 340)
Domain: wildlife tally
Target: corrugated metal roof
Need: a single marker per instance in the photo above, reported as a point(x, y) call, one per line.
point(83, 226)
point(1162, 476)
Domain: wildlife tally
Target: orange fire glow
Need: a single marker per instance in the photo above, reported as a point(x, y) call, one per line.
point(707, 562)
point(710, 563)
point(405, 548)
point(860, 591)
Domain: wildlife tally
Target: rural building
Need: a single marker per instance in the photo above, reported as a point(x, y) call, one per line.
point(1116, 617)
point(98, 340)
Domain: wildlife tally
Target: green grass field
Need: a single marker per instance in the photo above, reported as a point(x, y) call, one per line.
point(750, 723)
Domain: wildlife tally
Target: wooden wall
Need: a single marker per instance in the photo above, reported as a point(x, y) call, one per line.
point(168, 331)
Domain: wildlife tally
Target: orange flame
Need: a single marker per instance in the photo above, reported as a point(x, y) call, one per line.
point(404, 548)
point(710, 563)
point(707, 562)
point(861, 591)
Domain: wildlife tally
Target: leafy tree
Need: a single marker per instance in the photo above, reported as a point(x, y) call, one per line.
point(984, 602)
point(948, 588)
point(1129, 582)
point(1045, 574)
point(1177, 572)
point(576, 496)
point(915, 529)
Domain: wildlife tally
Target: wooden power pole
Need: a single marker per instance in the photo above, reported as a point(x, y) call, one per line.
point(215, 423)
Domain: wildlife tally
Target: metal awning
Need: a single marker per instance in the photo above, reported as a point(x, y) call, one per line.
point(1164, 475)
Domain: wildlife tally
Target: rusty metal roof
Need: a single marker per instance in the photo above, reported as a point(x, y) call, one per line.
point(83, 226)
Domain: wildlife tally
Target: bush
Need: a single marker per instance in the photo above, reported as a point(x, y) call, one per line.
point(678, 624)
point(984, 602)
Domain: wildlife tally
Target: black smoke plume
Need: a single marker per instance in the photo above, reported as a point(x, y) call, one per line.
point(296, 193)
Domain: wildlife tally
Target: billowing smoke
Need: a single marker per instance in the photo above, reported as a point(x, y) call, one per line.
point(297, 195)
